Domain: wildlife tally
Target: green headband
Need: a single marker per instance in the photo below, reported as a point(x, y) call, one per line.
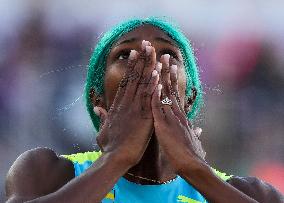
point(96, 71)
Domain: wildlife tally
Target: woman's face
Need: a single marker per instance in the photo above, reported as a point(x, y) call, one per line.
point(117, 59)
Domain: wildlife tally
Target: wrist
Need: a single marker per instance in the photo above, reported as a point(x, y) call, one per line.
point(118, 159)
point(192, 165)
point(199, 174)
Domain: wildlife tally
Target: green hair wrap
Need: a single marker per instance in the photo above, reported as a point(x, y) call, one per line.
point(97, 65)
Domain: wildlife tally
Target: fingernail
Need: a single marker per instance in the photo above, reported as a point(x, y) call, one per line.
point(144, 44)
point(97, 111)
point(159, 67)
point(132, 54)
point(154, 73)
point(167, 57)
point(148, 50)
point(174, 69)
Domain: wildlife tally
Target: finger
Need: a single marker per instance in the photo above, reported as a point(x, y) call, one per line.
point(134, 78)
point(189, 103)
point(174, 83)
point(144, 44)
point(189, 124)
point(149, 56)
point(101, 113)
point(159, 70)
point(166, 81)
point(161, 112)
point(197, 132)
point(150, 61)
point(123, 85)
point(178, 111)
point(176, 107)
point(169, 114)
point(173, 77)
point(146, 96)
point(153, 82)
point(136, 66)
point(156, 104)
point(101, 140)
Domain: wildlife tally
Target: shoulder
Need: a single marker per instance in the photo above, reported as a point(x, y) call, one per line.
point(257, 189)
point(35, 167)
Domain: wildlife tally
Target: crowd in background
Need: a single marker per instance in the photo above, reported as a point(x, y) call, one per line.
point(44, 51)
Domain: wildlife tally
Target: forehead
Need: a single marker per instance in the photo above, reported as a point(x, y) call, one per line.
point(146, 32)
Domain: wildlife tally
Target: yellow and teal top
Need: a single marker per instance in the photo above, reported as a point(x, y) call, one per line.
point(125, 191)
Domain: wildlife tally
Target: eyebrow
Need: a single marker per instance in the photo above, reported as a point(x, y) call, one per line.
point(161, 39)
point(127, 41)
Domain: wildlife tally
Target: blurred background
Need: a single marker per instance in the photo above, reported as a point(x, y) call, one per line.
point(44, 51)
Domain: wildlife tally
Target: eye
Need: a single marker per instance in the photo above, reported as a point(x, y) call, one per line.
point(170, 52)
point(122, 55)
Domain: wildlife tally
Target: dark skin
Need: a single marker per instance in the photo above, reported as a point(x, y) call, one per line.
point(132, 90)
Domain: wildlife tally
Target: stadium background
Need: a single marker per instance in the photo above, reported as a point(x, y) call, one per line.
point(44, 52)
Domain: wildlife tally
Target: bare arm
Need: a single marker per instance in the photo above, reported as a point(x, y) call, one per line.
point(257, 189)
point(236, 190)
point(40, 176)
point(173, 129)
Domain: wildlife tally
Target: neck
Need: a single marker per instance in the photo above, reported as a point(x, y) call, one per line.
point(153, 165)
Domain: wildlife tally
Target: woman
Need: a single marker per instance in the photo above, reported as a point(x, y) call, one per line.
point(142, 88)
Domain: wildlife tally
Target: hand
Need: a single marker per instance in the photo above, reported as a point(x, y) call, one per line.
point(174, 132)
point(127, 127)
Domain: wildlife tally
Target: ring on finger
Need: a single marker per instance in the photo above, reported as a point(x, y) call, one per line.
point(167, 101)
